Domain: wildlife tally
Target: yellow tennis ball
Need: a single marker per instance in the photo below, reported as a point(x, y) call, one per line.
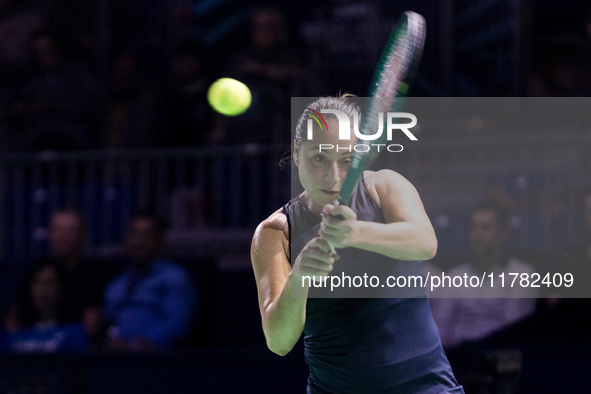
point(229, 96)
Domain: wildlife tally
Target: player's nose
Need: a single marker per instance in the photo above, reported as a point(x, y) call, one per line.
point(332, 174)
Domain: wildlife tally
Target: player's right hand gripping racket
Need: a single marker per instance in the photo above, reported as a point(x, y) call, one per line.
point(391, 81)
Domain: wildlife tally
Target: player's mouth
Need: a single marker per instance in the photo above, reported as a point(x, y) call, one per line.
point(331, 193)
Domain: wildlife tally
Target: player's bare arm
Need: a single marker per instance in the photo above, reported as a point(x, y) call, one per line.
point(283, 315)
point(407, 233)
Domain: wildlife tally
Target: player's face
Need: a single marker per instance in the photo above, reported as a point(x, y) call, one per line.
point(322, 169)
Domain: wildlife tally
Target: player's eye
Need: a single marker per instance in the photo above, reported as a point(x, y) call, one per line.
point(319, 158)
point(347, 162)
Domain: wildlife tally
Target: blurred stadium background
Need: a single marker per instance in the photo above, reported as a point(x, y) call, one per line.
point(214, 195)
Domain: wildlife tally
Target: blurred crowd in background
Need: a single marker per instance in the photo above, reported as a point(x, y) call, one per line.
point(117, 75)
point(55, 98)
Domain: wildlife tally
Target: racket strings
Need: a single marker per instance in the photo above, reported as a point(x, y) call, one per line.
point(389, 86)
point(403, 52)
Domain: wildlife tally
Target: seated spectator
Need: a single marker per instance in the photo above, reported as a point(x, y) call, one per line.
point(184, 118)
point(45, 315)
point(18, 20)
point(58, 107)
point(463, 319)
point(130, 106)
point(272, 56)
point(274, 69)
point(66, 241)
point(67, 236)
point(152, 304)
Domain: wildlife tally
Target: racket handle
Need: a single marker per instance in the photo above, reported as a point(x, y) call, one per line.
point(332, 248)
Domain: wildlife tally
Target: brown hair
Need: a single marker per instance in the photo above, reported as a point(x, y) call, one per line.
point(341, 103)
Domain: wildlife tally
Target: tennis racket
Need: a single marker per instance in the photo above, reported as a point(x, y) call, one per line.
point(396, 69)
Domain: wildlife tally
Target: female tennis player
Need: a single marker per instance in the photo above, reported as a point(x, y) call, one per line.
point(352, 345)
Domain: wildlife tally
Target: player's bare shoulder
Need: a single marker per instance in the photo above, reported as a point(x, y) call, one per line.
point(385, 183)
point(272, 232)
point(277, 221)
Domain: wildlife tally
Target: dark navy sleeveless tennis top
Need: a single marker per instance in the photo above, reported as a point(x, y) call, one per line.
point(367, 345)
